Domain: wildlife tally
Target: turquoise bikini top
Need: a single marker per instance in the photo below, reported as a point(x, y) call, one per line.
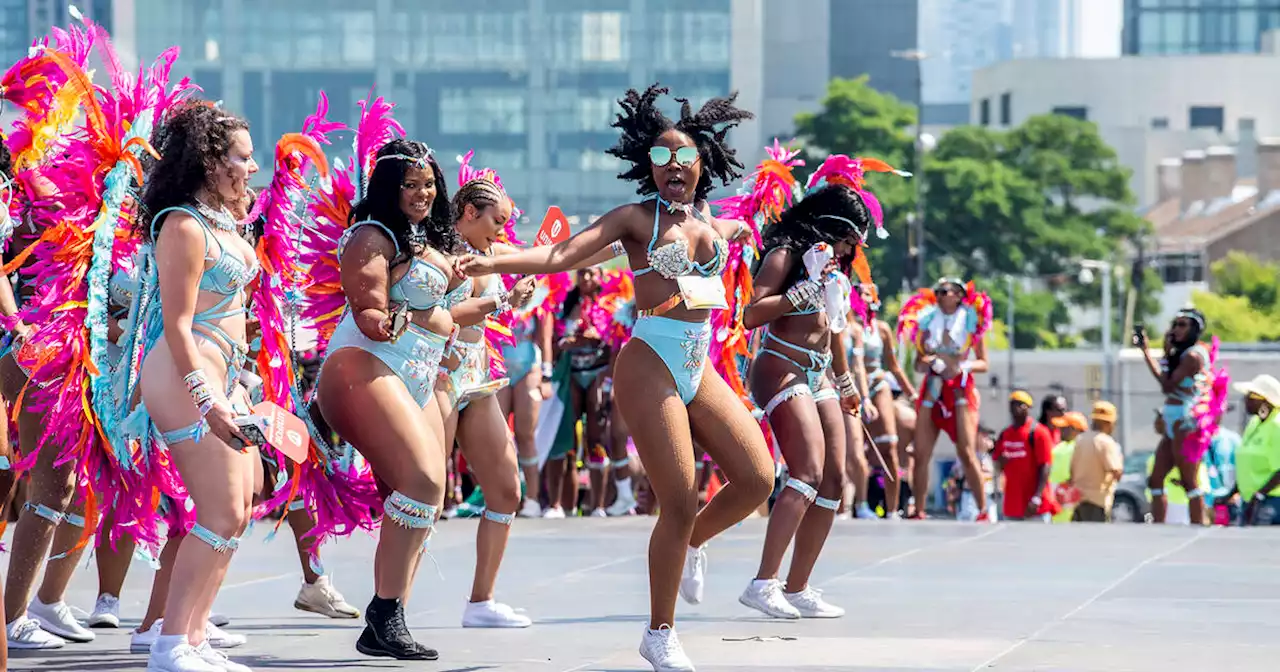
point(672, 260)
point(872, 346)
point(422, 287)
point(229, 273)
point(1189, 388)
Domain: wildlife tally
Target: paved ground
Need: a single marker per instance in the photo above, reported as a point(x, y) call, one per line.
point(922, 596)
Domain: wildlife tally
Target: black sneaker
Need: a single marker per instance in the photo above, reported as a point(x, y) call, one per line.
point(390, 636)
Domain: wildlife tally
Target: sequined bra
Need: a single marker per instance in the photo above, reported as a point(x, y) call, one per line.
point(672, 260)
point(422, 287)
point(872, 347)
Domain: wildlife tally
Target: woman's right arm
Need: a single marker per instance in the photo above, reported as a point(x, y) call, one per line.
point(366, 281)
point(570, 254)
point(891, 363)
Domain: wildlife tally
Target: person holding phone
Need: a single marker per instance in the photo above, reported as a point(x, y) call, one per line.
point(1183, 374)
point(678, 251)
point(191, 393)
point(377, 386)
point(483, 214)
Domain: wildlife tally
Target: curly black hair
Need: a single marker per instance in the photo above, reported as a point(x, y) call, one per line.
point(641, 122)
point(829, 215)
point(192, 142)
point(381, 203)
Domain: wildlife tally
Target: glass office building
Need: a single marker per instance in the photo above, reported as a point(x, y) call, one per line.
point(530, 85)
point(1197, 26)
point(21, 21)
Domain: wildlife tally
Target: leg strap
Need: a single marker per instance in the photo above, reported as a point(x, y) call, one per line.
point(1157, 492)
point(408, 512)
point(528, 461)
point(886, 439)
point(297, 505)
point(1193, 494)
point(618, 464)
point(786, 395)
point(830, 504)
point(73, 520)
point(807, 491)
point(218, 543)
point(499, 518)
point(55, 517)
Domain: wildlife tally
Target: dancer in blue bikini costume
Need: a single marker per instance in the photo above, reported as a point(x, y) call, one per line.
point(790, 378)
point(195, 348)
point(673, 398)
point(377, 387)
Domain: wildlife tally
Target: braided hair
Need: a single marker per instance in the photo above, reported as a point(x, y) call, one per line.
point(1174, 356)
point(641, 122)
point(829, 215)
point(381, 203)
point(479, 193)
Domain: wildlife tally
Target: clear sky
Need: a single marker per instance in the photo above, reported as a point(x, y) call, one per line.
point(1100, 24)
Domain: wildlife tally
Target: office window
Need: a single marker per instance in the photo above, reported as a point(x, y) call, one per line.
point(1160, 123)
point(357, 37)
point(1006, 109)
point(464, 39)
point(695, 38)
point(596, 160)
point(594, 113)
point(478, 110)
point(602, 38)
point(1075, 112)
point(1206, 117)
point(984, 112)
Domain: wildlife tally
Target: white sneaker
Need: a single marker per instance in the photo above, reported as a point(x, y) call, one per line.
point(141, 641)
point(623, 505)
point(864, 512)
point(765, 596)
point(968, 511)
point(530, 509)
point(181, 658)
point(322, 598)
point(662, 649)
point(895, 516)
point(78, 613)
point(218, 659)
point(219, 620)
point(553, 513)
point(810, 604)
point(25, 634)
point(694, 576)
point(56, 618)
point(598, 513)
point(847, 514)
point(490, 614)
point(106, 612)
point(221, 639)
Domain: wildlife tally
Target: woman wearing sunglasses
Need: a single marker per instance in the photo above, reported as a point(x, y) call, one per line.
point(947, 324)
point(677, 250)
point(1186, 377)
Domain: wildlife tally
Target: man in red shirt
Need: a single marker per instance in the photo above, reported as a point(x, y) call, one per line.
point(1025, 453)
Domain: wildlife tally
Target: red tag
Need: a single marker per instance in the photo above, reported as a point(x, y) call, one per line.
point(285, 431)
point(554, 229)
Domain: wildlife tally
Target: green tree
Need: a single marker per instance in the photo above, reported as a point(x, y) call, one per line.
point(1246, 305)
point(1234, 320)
point(1239, 274)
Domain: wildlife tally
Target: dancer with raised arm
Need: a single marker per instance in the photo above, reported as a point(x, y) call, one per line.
point(673, 397)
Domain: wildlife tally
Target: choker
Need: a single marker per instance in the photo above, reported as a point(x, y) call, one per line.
point(221, 220)
point(686, 208)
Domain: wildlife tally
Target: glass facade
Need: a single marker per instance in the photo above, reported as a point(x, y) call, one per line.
point(1197, 26)
point(530, 85)
point(22, 21)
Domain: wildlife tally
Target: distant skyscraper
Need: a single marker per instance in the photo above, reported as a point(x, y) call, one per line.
point(958, 37)
point(21, 21)
point(1181, 27)
point(865, 34)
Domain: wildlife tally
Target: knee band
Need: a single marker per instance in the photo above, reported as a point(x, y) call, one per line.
point(1157, 492)
point(5, 465)
point(73, 520)
point(297, 505)
point(408, 512)
point(618, 464)
point(499, 518)
point(47, 513)
point(807, 491)
point(886, 439)
point(1193, 494)
point(527, 461)
point(219, 544)
point(829, 504)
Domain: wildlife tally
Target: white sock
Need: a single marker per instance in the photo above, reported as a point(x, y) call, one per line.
point(760, 583)
point(167, 643)
point(624, 486)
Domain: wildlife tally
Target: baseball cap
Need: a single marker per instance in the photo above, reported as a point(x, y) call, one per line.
point(1074, 420)
point(1263, 386)
point(1104, 411)
point(1022, 397)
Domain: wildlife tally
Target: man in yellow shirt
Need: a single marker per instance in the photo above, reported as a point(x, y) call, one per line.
point(1070, 425)
point(1258, 457)
point(1096, 466)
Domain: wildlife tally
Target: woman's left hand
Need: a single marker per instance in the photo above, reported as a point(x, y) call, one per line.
point(870, 413)
point(523, 290)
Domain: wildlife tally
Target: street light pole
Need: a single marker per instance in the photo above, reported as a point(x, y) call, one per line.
point(917, 56)
point(1106, 269)
point(1010, 314)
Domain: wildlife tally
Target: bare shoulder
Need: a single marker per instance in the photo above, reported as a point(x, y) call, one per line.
point(180, 230)
point(626, 216)
point(369, 241)
point(503, 249)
